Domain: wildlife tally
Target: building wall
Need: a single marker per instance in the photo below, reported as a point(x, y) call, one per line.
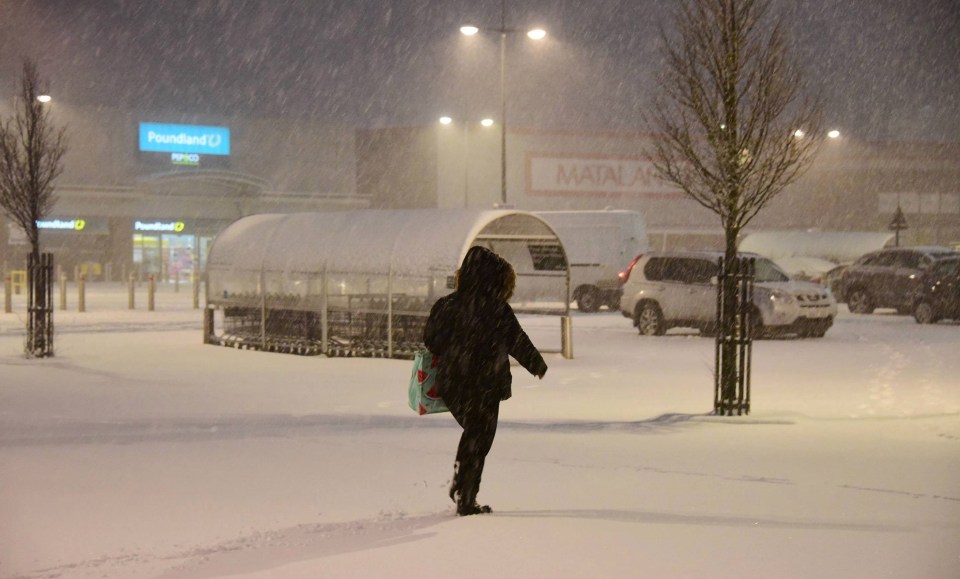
point(109, 185)
point(857, 186)
point(398, 167)
point(286, 165)
point(851, 186)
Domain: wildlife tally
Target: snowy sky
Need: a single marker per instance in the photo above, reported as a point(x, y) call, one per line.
point(888, 68)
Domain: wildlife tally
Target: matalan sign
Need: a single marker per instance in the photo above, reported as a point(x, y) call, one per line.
point(569, 175)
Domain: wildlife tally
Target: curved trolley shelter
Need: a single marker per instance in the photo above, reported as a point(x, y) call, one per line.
point(361, 283)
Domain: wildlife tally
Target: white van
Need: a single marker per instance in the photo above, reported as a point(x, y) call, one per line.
point(599, 245)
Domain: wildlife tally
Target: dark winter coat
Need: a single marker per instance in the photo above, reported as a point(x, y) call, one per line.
point(474, 329)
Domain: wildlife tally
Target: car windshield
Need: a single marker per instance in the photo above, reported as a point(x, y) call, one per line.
point(947, 267)
point(767, 271)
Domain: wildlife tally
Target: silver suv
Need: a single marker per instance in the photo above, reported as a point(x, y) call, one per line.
point(662, 290)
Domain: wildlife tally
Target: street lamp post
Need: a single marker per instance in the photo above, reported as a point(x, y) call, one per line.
point(487, 122)
point(533, 34)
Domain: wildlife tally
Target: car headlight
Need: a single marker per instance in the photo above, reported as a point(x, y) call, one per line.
point(782, 297)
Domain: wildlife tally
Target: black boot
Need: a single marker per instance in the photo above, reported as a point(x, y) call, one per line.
point(467, 503)
point(473, 509)
point(455, 482)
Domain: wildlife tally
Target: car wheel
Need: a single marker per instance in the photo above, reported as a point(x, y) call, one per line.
point(613, 302)
point(859, 302)
point(924, 313)
point(649, 320)
point(814, 332)
point(589, 300)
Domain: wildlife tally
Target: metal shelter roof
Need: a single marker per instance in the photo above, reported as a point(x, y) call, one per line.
point(401, 241)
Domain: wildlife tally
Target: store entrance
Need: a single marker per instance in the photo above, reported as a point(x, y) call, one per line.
point(170, 257)
point(167, 257)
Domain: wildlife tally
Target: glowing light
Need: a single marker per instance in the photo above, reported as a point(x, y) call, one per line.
point(799, 133)
point(834, 134)
point(445, 120)
point(487, 122)
point(44, 98)
point(469, 30)
point(537, 34)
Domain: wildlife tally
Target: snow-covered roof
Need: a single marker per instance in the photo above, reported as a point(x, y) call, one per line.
point(404, 241)
point(836, 246)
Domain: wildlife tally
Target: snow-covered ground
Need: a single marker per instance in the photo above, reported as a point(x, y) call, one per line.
point(139, 452)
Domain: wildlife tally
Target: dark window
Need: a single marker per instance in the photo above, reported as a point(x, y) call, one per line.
point(869, 259)
point(950, 268)
point(767, 271)
point(884, 259)
point(547, 257)
point(698, 270)
point(910, 260)
point(654, 270)
point(673, 270)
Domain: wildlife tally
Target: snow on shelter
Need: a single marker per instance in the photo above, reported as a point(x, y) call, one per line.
point(361, 283)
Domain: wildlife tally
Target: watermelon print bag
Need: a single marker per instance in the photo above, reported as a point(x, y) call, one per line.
point(423, 396)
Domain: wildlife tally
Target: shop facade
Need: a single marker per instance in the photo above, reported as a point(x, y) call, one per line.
point(144, 194)
point(851, 185)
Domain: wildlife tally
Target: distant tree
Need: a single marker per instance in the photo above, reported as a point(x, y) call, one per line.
point(733, 123)
point(31, 150)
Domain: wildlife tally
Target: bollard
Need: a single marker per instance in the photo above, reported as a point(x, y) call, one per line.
point(7, 294)
point(82, 293)
point(63, 291)
point(130, 304)
point(566, 336)
point(196, 291)
point(208, 326)
point(151, 290)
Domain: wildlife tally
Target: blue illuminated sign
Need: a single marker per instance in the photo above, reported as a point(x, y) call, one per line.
point(166, 138)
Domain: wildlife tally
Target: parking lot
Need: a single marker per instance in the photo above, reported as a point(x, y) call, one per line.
point(137, 451)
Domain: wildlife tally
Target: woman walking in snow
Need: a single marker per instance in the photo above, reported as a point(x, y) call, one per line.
point(473, 331)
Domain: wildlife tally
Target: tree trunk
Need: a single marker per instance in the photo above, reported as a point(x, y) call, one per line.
point(728, 318)
point(38, 319)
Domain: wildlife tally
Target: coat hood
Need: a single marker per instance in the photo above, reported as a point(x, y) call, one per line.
point(482, 271)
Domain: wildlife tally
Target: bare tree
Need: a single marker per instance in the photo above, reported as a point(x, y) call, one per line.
point(31, 150)
point(734, 126)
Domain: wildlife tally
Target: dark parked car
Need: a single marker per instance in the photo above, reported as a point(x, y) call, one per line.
point(887, 278)
point(939, 294)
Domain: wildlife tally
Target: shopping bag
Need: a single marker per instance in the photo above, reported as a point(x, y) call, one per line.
point(423, 396)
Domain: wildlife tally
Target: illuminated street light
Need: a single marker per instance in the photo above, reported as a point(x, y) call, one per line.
point(487, 122)
point(44, 98)
point(445, 120)
point(834, 134)
point(799, 133)
point(537, 34)
point(533, 34)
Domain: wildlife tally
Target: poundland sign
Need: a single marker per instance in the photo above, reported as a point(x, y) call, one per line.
point(164, 138)
point(168, 226)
